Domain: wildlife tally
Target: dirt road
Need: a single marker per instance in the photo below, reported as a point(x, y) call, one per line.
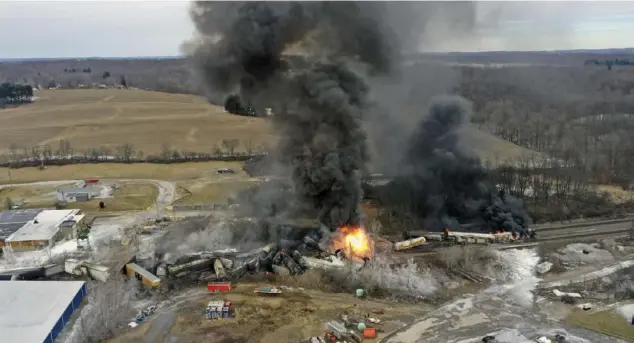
point(296, 314)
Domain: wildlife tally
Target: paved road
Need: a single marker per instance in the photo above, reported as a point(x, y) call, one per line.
point(160, 328)
point(166, 195)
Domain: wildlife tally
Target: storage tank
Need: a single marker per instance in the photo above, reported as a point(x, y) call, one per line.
point(410, 243)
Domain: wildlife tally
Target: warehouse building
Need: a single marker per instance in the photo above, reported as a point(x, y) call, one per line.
point(11, 221)
point(73, 194)
point(37, 311)
point(47, 227)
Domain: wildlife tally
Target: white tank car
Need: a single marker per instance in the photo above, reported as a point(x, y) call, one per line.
point(480, 238)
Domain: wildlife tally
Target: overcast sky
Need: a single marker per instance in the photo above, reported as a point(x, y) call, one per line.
point(157, 28)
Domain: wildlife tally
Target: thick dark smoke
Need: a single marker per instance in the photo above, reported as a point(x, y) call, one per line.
point(319, 108)
point(444, 184)
point(320, 103)
point(322, 139)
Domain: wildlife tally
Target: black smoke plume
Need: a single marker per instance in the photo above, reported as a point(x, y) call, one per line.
point(442, 184)
point(322, 139)
point(318, 106)
point(319, 102)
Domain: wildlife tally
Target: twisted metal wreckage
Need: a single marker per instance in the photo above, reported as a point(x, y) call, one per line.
point(273, 258)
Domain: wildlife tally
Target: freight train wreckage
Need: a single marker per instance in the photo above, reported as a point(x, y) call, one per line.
point(352, 248)
point(349, 247)
point(293, 253)
point(230, 265)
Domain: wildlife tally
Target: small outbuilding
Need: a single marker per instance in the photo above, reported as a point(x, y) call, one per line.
point(74, 194)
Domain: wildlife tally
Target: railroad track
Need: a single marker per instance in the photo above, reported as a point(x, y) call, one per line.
point(585, 224)
point(526, 244)
point(618, 232)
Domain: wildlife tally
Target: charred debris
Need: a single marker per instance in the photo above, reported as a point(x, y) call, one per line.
point(296, 248)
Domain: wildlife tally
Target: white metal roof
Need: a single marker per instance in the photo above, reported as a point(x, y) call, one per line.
point(79, 190)
point(43, 227)
point(479, 235)
point(30, 309)
point(469, 234)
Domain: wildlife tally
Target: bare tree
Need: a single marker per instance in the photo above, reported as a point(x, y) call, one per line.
point(126, 151)
point(47, 152)
point(248, 146)
point(13, 150)
point(8, 204)
point(216, 150)
point(105, 152)
point(64, 148)
point(166, 151)
point(108, 308)
point(230, 145)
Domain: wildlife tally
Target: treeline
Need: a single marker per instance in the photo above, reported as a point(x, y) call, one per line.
point(555, 190)
point(551, 190)
point(170, 75)
point(11, 94)
point(561, 108)
point(125, 153)
point(579, 115)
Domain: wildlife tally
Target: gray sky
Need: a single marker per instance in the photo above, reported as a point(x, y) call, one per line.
point(157, 28)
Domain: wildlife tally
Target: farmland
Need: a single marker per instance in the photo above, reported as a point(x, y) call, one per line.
point(108, 118)
point(152, 122)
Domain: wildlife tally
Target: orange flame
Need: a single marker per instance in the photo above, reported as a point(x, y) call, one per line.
point(354, 240)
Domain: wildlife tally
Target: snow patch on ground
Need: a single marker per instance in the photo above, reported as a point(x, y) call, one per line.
point(501, 336)
point(627, 311)
point(574, 254)
point(591, 276)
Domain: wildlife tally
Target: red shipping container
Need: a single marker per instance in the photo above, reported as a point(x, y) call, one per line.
point(219, 286)
point(369, 333)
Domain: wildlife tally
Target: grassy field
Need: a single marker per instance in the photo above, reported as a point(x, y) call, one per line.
point(491, 148)
point(92, 118)
point(213, 187)
point(177, 171)
point(33, 196)
point(128, 197)
point(213, 192)
point(607, 322)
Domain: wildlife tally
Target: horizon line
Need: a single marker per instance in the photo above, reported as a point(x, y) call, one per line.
point(183, 56)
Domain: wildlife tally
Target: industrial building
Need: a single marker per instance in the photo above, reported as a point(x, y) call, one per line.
point(11, 221)
point(34, 229)
point(73, 194)
point(37, 311)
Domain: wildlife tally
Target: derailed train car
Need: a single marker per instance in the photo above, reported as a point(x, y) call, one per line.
point(462, 237)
